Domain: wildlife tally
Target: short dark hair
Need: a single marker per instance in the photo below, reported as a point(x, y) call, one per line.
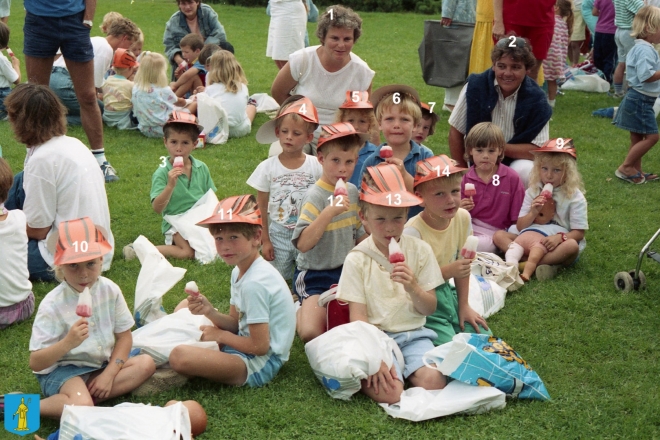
point(6, 180)
point(193, 41)
point(4, 35)
point(248, 230)
point(124, 26)
point(520, 52)
point(35, 114)
point(340, 17)
point(344, 143)
point(179, 127)
point(207, 51)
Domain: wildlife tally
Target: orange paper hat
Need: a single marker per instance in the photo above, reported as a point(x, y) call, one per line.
point(357, 100)
point(124, 59)
point(179, 117)
point(434, 168)
point(338, 130)
point(302, 107)
point(559, 145)
point(235, 209)
point(77, 241)
point(383, 185)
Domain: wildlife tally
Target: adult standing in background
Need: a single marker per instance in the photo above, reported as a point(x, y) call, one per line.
point(65, 25)
point(482, 41)
point(578, 35)
point(193, 17)
point(462, 11)
point(286, 33)
point(5, 6)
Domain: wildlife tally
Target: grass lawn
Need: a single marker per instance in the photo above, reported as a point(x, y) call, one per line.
point(592, 345)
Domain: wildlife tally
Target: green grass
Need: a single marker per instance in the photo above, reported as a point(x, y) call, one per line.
point(592, 345)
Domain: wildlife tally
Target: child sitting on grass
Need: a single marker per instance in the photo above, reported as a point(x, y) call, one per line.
point(395, 299)
point(10, 72)
point(80, 352)
point(425, 127)
point(187, 76)
point(560, 242)
point(256, 337)
point(446, 227)
point(281, 181)
point(497, 192)
point(328, 227)
point(178, 183)
point(117, 92)
point(16, 298)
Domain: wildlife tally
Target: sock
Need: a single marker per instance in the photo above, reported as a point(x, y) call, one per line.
point(99, 155)
point(514, 254)
point(618, 88)
point(552, 102)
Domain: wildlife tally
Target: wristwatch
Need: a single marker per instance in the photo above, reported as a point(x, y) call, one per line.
point(120, 362)
point(89, 23)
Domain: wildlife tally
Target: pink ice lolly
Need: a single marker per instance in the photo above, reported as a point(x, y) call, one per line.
point(340, 188)
point(191, 288)
point(470, 190)
point(396, 254)
point(178, 162)
point(547, 191)
point(386, 151)
point(10, 52)
point(469, 250)
point(84, 307)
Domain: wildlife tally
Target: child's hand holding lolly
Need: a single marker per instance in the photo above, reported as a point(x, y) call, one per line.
point(469, 250)
point(199, 305)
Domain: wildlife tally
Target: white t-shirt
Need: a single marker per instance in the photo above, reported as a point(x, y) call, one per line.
point(234, 104)
point(63, 181)
point(286, 187)
point(327, 90)
point(103, 54)
point(14, 283)
point(7, 73)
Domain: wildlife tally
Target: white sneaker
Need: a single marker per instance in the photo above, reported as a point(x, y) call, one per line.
point(162, 380)
point(546, 272)
point(129, 252)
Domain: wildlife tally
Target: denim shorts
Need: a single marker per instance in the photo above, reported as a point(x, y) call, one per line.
point(636, 113)
point(413, 345)
point(314, 282)
point(52, 382)
point(44, 35)
point(260, 369)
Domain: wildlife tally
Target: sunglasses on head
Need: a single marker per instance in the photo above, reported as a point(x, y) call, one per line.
point(511, 41)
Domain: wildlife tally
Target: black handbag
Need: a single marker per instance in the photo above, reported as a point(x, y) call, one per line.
point(444, 53)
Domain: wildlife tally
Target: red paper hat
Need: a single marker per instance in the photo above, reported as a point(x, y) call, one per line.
point(357, 100)
point(235, 209)
point(302, 107)
point(383, 185)
point(559, 145)
point(336, 131)
point(124, 59)
point(77, 241)
point(434, 168)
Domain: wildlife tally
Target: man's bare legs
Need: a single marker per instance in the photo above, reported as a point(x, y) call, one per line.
point(82, 76)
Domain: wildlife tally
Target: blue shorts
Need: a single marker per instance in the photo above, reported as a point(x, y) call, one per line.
point(413, 345)
point(44, 35)
point(314, 282)
point(4, 91)
point(636, 113)
point(260, 369)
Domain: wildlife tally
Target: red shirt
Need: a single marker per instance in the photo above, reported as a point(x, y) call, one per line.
point(537, 13)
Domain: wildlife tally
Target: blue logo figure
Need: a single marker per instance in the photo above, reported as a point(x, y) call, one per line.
point(22, 413)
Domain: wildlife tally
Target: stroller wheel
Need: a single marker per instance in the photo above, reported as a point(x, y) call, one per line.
point(642, 281)
point(623, 281)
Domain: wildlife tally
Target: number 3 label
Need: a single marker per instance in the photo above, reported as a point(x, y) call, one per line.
point(164, 161)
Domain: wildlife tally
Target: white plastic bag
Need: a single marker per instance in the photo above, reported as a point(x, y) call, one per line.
point(587, 83)
point(126, 421)
point(198, 237)
point(157, 276)
point(265, 103)
point(213, 118)
point(493, 268)
point(344, 355)
point(418, 404)
point(158, 338)
point(485, 296)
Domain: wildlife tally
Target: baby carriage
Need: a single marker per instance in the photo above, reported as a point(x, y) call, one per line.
point(635, 279)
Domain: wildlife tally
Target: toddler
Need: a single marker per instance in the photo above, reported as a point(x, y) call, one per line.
point(496, 193)
point(117, 92)
point(81, 337)
point(10, 71)
point(281, 181)
point(555, 63)
point(425, 127)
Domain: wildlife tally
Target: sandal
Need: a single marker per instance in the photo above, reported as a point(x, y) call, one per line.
point(635, 178)
point(650, 177)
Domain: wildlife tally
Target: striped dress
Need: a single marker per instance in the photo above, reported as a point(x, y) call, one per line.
point(555, 62)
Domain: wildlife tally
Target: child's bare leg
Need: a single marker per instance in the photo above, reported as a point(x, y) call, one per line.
point(192, 108)
point(639, 145)
point(135, 372)
point(311, 319)
point(182, 305)
point(428, 378)
point(552, 89)
point(214, 365)
point(179, 249)
point(251, 111)
point(73, 392)
point(503, 239)
point(535, 255)
point(564, 254)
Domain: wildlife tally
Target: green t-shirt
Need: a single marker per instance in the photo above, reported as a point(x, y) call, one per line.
point(186, 192)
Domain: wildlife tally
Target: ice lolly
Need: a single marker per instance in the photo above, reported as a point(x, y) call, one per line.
point(547, 191)
point(10, 52)
point(191, 288)
point(84, 307)
point(470, 190)
point(396, 254)
point(178, 162)
point(386, 151)
point(340, 188)
point(469, 250)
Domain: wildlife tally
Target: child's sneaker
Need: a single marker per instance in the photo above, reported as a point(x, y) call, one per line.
point(162, 380)
point(546, 272)
point(129, 252)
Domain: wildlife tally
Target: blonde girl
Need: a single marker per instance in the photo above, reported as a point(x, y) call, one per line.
point(559, 242)
point(153, 100)
point(555, 62)
point(359, 112)
point(499, 191)
point(226, 83)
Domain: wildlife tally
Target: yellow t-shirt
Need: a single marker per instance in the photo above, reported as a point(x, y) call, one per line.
point(389, 306)
point(446, 244)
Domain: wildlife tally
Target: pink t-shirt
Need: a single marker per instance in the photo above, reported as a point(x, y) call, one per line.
point(497, 202)
point(605, 23)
